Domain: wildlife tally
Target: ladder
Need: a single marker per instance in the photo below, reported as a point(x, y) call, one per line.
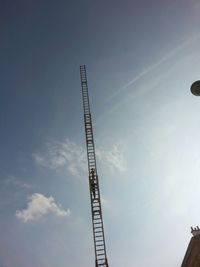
point(97, 220)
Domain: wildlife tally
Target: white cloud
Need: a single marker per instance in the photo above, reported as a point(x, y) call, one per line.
point(39, 206)
point(63, 154)
point(73, 157)
point(40, 160)
point(113, 158)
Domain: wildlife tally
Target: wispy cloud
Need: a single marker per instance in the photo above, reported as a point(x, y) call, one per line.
point(72, 156)
point(113, 159)
point(11, 180)
point(63, 154)
point(154, 66)
point(38, 206)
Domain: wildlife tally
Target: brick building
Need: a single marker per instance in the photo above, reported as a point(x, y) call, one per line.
point(192, 255)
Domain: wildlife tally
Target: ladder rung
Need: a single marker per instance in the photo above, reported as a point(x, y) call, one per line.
point(98, 232)
point(99, 249)
point(101, 256)
point(97, 217)
point(96, 204)
point(99, 240)
point(97, 236)
point(95, 220)
point(95, 208)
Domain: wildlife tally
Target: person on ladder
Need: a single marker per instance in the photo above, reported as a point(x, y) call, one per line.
point(93, 182)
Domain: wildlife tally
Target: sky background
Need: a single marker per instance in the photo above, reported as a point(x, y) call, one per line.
point(141, 57)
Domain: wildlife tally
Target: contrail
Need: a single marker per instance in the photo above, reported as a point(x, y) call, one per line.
point(142, 74)
point(157, 64)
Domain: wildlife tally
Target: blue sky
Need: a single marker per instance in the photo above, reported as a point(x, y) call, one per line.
point(141, 56)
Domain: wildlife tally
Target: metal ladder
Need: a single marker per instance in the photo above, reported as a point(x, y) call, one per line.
point(97, 220)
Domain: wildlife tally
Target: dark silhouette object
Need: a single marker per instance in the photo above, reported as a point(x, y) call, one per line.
point(93, 182)
point(195, 88)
